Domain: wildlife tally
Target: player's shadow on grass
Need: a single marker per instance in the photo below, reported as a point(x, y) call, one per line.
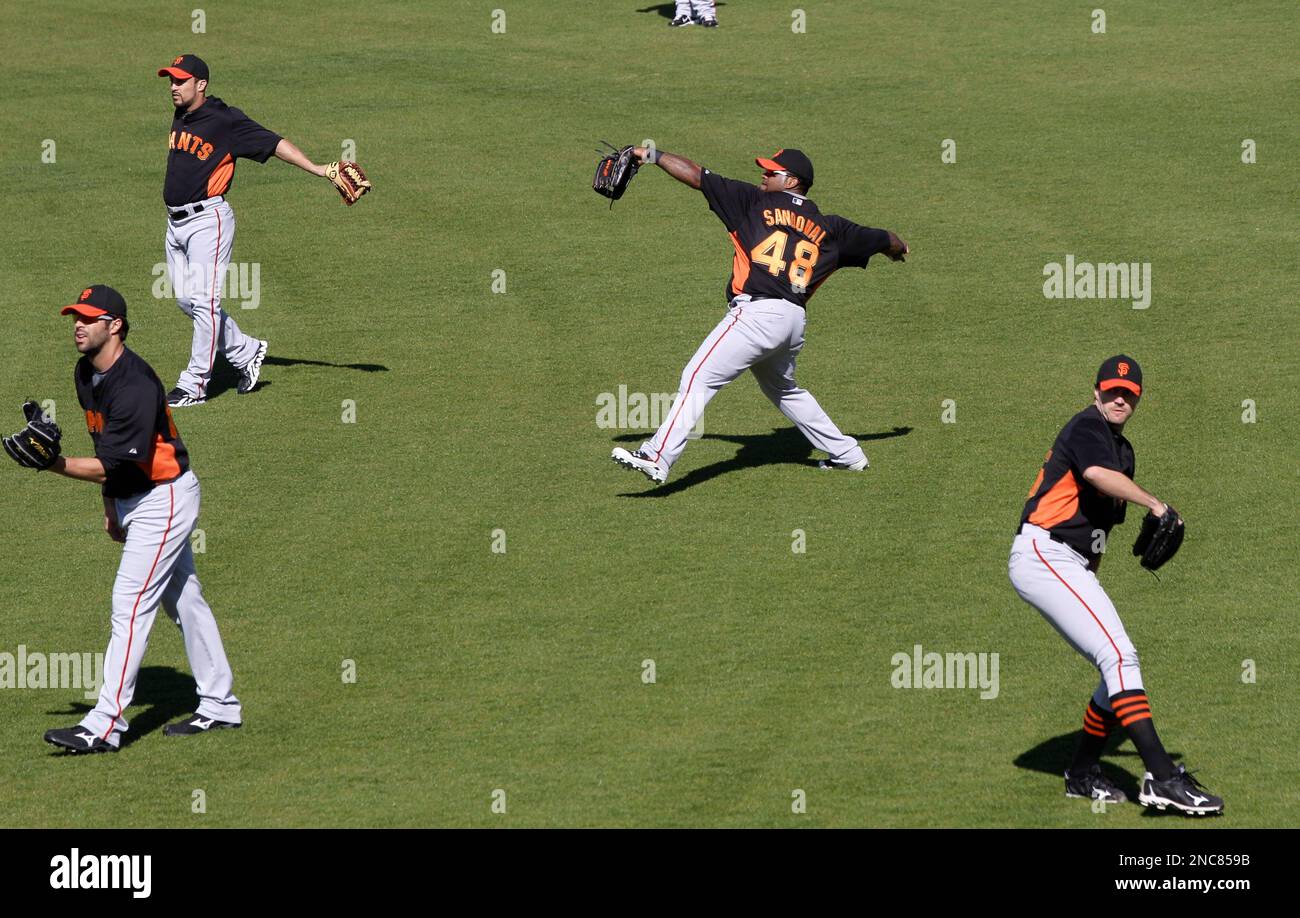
point(166, 694)
point(226, 377)
point(666, 10)
point(782, 445)
point(1053, 756)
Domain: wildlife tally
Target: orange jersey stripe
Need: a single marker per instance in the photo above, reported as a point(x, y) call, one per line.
point(163, 466)
point(739, 266)
point(1058, 504)
point(219, 181)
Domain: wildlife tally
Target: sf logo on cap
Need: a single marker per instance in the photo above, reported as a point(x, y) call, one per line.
point(177, 62)
point(85, 294)
point(1123, 369)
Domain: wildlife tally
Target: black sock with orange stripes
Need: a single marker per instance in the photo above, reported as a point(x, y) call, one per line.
point(1097, 725)
point(1134, 713)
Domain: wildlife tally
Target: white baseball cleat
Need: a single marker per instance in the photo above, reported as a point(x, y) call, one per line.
point(250, 374)
point(851, 467)
point(641, 462)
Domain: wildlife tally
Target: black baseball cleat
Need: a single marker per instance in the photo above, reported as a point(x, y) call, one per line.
point(1091, 784)
point(78, 740)
point(1183, 792)
point(197, 723)
point(709, 23)
point(179, 398)
point(682, 21)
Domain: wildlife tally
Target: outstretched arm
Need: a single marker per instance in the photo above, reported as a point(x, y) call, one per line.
point(897, 248)
point(286, 151)
point(679, 167)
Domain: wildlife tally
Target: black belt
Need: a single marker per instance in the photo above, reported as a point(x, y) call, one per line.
point(1051, 535)
point(184, 212)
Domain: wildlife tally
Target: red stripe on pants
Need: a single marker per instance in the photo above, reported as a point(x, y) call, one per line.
point(1120, 668)
point(691, 382)
point(212, 313)
point(130, 634)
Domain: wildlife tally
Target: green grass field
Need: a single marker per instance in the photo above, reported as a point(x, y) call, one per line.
point(476, 411)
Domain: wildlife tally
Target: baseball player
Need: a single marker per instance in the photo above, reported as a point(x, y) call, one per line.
point(1082, 491)
point(689, 12)
point(207, 137)
point(151, 504)
point(785, 249)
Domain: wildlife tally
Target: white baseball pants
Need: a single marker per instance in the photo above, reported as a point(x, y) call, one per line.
point(1055, 579)
point(158, 566)
point(765, 337)
point(198, 253)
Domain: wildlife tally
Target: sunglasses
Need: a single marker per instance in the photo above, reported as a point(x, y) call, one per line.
point(768, 173)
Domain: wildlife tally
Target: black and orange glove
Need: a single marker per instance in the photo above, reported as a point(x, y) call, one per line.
point(614, 172)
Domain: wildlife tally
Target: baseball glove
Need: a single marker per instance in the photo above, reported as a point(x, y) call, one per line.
point(36, 446)
point(348, 179)
point(614, 172)
point(1159, 538)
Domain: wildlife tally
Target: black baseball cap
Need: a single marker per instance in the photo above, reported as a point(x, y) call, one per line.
point(186, 66)
point(95, 301)
point(1120, 372)
point(792, 161)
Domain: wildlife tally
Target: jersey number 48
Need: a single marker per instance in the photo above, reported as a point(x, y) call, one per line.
point(770, 253)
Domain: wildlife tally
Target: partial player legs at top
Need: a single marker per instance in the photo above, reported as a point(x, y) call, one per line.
point(705, 12)
point(686, 12)
point(198, 253)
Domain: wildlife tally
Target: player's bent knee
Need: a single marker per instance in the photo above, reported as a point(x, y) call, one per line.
point(1107, 661)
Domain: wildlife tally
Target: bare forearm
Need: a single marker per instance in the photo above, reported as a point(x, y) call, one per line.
point(80, 469)
point(679, 167)
point(1119, 485)
point(286, 151)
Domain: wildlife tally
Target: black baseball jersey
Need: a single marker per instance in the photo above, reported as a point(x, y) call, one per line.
point(1061, 501)
point(130, 424)
point(785, 246)
point(202, 149)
